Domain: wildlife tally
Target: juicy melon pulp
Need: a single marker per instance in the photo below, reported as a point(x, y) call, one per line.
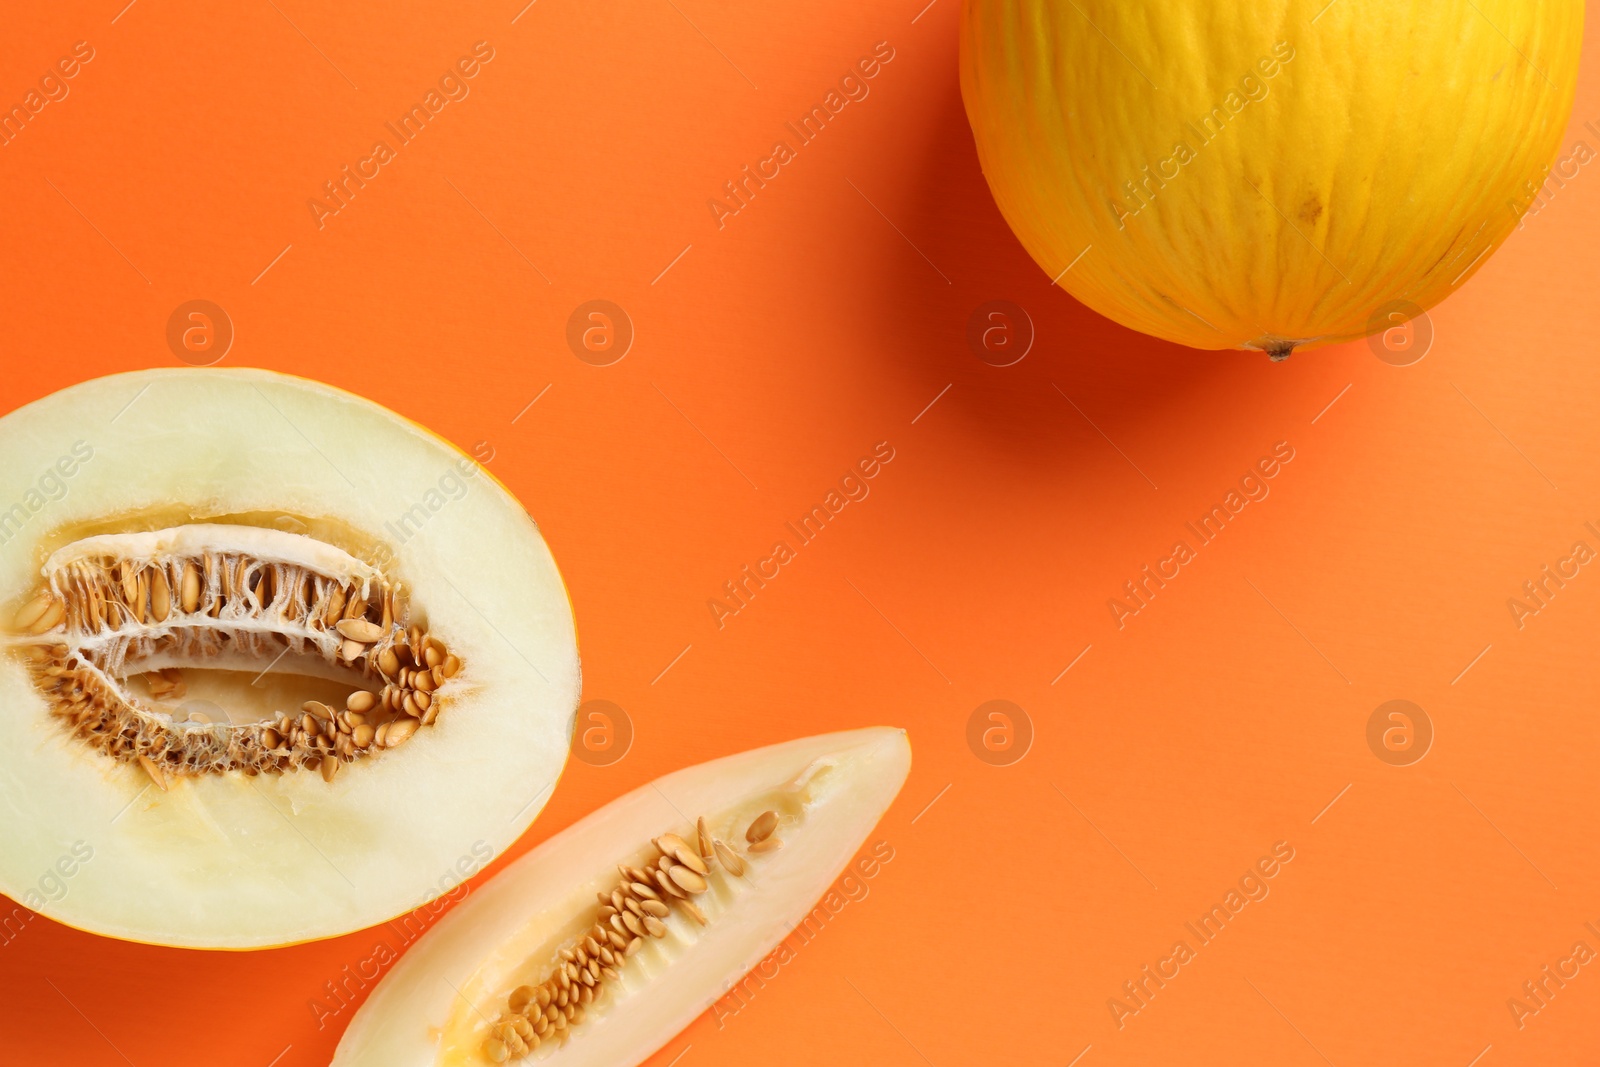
point(199, 812)
point(439, 1004)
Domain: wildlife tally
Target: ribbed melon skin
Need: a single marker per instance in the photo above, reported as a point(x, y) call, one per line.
point(1265, 172)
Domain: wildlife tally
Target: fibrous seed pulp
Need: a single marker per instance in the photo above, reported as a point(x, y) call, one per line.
point(221, 597)
point(635, 910)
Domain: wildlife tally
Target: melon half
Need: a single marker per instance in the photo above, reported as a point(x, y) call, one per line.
point(609, 938)
point(276, 663)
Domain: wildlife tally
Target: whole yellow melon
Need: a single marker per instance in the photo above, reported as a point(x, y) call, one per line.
point(1266, 174)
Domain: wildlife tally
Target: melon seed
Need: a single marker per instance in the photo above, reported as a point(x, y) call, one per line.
point(400, 732)
point(138, 601)
point(189, 593)
point(668, 884)
point(667, 844)
point(730, 859)
point(32, 612)
point(687, 879)
point(762, 827)
point(129, 580)
point(690, 860)
point(359, 630)
point(705, 843)
point(155, 773)
point(335, 608)
point(160, 596)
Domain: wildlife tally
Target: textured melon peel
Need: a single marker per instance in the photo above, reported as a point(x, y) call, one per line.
point(437, 1006)
point(235, 860)
point(1265, 174)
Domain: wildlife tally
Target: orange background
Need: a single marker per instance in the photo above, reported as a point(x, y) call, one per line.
point(777, 350)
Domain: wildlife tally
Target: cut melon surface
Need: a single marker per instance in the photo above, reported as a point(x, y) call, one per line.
point(537, 937)
point(275, 663)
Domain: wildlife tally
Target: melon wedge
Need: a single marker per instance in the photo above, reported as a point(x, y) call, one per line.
point(275, 663)
point(443, 1002)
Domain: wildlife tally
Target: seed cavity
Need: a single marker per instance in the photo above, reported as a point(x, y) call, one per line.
point(625, 918)
point(221, 597)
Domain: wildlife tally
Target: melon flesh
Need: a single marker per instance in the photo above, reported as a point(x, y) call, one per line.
point(159, 462)
point(436, 1006)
